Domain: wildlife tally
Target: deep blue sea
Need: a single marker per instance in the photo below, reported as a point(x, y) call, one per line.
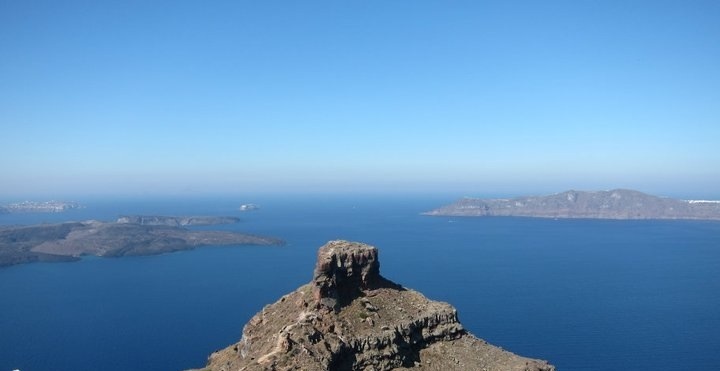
point(583, 294)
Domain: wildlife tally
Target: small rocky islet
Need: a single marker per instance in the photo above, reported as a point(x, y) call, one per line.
point(350, 318)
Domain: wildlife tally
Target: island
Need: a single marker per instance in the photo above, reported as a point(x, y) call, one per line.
point(613, 204)
point(351, 318)
point(39, 207)
point(176, 221)
point(69, 241)
point(249, 207)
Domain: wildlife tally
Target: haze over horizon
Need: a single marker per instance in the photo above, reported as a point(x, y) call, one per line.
point(473, 98)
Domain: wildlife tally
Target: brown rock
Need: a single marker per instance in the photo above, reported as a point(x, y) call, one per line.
point(343, 270)
point(360, 321)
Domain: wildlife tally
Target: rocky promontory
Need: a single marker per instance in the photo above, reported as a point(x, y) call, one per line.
point(614, 204)
point(349, 317)
point(69, 241)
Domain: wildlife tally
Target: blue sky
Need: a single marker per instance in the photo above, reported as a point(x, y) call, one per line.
point(466, 97)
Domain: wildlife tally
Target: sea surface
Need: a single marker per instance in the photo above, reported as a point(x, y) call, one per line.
point(583, 294)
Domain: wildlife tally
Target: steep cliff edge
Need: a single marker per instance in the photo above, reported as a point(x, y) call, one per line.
point(351, 318)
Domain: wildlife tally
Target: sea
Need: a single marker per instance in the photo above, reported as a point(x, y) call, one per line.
point(582, 294)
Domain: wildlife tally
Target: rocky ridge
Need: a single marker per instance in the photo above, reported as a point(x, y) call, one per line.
point(614, 204)
point(349, 317)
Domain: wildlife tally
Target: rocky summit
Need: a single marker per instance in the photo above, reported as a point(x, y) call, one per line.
point(351, 318)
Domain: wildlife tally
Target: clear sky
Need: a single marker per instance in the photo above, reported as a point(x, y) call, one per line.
point(472, 97)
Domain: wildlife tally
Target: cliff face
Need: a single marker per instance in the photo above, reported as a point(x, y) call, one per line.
point(351, 318)
point(615, 204)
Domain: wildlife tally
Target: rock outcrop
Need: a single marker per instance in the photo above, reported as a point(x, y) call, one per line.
point(342, 272)
point(351, 318)
point(615, 204)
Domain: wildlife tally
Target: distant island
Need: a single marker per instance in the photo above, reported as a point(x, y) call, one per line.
point(39, 207)
point(614, 204)
point(248, 207)
point(176, 221)
point(69, 241)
